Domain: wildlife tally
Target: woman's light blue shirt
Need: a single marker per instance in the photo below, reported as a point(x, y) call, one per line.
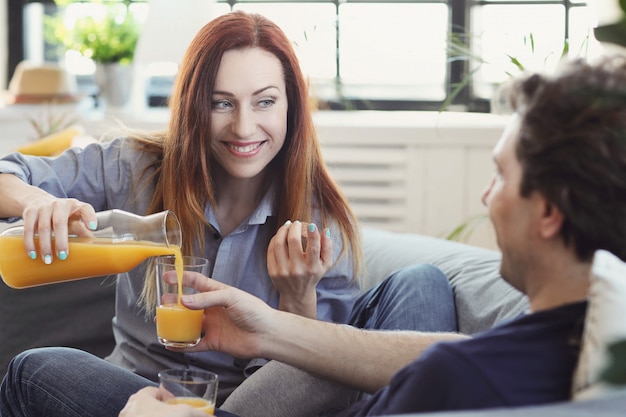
point(107, 176)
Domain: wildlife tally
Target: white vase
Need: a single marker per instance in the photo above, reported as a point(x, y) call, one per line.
point(115, 82)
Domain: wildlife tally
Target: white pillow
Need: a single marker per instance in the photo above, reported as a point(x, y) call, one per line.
point(605, 323)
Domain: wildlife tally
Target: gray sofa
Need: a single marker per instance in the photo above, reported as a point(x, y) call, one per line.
point(79, 313)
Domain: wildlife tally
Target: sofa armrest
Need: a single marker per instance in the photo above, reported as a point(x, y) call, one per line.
point(482, 297)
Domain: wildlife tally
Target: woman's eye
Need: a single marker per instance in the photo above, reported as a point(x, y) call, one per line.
point(221, 104)
point(267, 102)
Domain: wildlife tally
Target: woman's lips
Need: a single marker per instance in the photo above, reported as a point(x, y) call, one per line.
point(245, 149)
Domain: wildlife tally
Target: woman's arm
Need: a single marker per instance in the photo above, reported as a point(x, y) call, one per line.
point(15, 195)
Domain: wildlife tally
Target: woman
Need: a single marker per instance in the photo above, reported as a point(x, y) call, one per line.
point(238, 163)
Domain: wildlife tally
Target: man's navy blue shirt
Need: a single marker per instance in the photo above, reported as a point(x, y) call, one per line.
point(529, 360)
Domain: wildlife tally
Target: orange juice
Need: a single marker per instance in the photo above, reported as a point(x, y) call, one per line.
point(88, 257)
point(195, 402)
point(178, 325)
point(180, 268)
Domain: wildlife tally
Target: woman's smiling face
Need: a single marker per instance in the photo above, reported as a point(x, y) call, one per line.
point(249, 112)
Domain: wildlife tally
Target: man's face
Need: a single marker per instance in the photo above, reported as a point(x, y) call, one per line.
point(512, 216)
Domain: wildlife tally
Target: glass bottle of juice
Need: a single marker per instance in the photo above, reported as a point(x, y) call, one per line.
point(121, 241)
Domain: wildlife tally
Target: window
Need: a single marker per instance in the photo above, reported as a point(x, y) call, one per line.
point(409, 54)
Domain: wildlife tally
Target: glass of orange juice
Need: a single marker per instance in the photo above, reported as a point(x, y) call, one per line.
point(177, 326)
point(194, 387)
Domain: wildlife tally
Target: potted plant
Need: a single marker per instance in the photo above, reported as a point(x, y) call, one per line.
point(613, 31)
point(109, 40)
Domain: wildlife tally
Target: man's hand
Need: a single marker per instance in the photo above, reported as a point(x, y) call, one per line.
point(149, 402)
point(234, 321)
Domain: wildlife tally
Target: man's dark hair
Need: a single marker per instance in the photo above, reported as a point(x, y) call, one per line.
point(572, 149)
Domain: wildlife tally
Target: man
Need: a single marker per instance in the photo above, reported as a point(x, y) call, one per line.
point(558, 195)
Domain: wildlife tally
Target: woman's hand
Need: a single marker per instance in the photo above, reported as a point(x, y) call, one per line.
point(149, 402)
point(298, 256)
point(49, 216)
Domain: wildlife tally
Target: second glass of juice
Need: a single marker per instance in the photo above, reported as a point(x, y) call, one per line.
point(194, 387)
point(177, 326)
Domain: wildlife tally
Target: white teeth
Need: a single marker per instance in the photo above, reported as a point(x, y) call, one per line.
point(244, 149)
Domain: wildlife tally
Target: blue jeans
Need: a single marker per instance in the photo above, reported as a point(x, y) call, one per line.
point(418, 298)
point(67, 382)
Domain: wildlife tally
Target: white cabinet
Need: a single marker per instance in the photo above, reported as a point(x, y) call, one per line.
point(420, 172)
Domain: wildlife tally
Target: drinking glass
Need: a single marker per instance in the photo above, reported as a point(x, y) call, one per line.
point(177, 326)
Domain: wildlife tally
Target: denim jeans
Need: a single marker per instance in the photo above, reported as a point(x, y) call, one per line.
point(67, 382)
point(64, 382)
point(418, 298)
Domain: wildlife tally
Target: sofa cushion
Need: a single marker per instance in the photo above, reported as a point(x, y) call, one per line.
point(75, 314)
point(482, 297)
point(604, 324)
point(607, 407)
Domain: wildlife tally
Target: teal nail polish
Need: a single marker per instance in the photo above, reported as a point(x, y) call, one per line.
point(311, 227)
point(328, 233)
point(47, 259)
point(32, 254)
point(62, 255)
point(92, 226)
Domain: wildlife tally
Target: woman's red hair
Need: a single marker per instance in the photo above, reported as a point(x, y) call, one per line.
point(184, 168)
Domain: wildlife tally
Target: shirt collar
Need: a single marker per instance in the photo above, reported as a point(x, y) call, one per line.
point(260, 215)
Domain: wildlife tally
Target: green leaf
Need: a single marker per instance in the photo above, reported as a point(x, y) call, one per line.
point(464, 231)
point(111, 39)
point(614, 33)
point(615, 372)
point(457, 90)
point(515, 62)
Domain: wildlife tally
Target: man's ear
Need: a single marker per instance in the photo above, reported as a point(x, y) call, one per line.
point(551, 220)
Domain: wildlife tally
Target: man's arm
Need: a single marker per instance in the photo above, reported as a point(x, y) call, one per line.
point(364, 359)
point(238, 323)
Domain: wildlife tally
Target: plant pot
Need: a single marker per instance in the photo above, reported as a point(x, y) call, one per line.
point(115, 82)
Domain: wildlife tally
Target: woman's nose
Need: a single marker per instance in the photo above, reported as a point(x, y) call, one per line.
point(244, 124)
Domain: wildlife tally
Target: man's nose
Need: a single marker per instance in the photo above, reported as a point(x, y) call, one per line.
point(485, 196)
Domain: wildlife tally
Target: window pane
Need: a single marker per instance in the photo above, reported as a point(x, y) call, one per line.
point(220, 9)
point(393, 50)
point(310, 26)
point(531, 34)
point(582, 41)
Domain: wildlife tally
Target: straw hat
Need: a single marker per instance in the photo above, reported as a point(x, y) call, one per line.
point(40, 83)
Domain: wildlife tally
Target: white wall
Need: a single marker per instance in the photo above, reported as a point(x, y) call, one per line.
point(417, 172)
point(4, 43)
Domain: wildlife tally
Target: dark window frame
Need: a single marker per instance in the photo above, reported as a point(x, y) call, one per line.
point(456, 69)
